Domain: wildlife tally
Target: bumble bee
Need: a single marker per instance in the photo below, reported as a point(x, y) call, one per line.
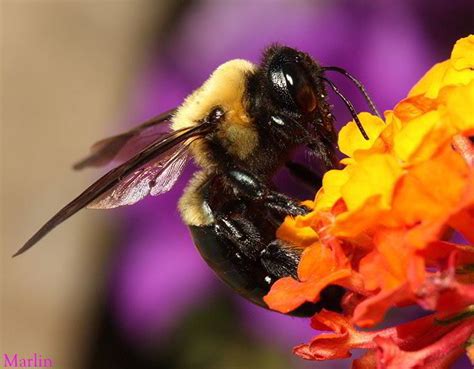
point(240, 127)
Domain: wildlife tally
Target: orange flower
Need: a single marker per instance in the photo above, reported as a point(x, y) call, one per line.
point(380, 226)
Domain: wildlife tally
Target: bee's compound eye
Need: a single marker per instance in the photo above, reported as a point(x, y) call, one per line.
point(299, 87)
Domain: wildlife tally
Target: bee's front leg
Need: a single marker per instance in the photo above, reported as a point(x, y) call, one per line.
point(242, 234)
point(252, 188)
point(278, 258)
point(281, 259)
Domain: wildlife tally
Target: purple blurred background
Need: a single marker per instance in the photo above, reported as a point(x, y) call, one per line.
point(157, 278)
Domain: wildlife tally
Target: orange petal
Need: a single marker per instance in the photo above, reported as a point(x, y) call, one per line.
point(372, 310)
point(363, 220)
point(423, 194)
point(287, 294)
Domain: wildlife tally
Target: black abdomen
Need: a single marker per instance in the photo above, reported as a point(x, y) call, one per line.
point(249, 278)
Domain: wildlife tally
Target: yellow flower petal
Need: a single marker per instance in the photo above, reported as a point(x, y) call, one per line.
point(412, 107)
point(421, 137)
point(462, 56)
point(431, 82)
point(373, 175)
point(351, 139)
point(458, 71)
point(457, 107)
point(331, 189)
point(297, 234)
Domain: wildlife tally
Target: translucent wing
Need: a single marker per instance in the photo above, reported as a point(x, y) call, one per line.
point(157, 165)
point(123, 146)
point(154, 178)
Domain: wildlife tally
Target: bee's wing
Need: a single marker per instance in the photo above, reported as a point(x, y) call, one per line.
point(123, 146)
point(153, 170)
point(156, 177)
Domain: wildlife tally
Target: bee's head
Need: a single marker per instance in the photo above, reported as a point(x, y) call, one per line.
point(287, 95)
point(287, 92)
point(293, 84)
point(293, 80)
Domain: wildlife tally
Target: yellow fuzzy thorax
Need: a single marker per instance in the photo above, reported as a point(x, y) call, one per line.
point(224, 88)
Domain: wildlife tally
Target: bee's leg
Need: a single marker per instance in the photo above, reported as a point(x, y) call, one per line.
point(278, 258)
point(281, 259)
point(304, 174)
point(242, 234)
point(251, 188)
point(283, 204)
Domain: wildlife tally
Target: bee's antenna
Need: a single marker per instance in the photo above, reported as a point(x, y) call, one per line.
point(348, 105)
point(359, 85)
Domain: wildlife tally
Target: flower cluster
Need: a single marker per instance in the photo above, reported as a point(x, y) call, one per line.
point(395, 227)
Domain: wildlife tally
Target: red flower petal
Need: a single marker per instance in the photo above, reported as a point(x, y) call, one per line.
point(422, 343)
point(439, 355)
point(335, 345)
